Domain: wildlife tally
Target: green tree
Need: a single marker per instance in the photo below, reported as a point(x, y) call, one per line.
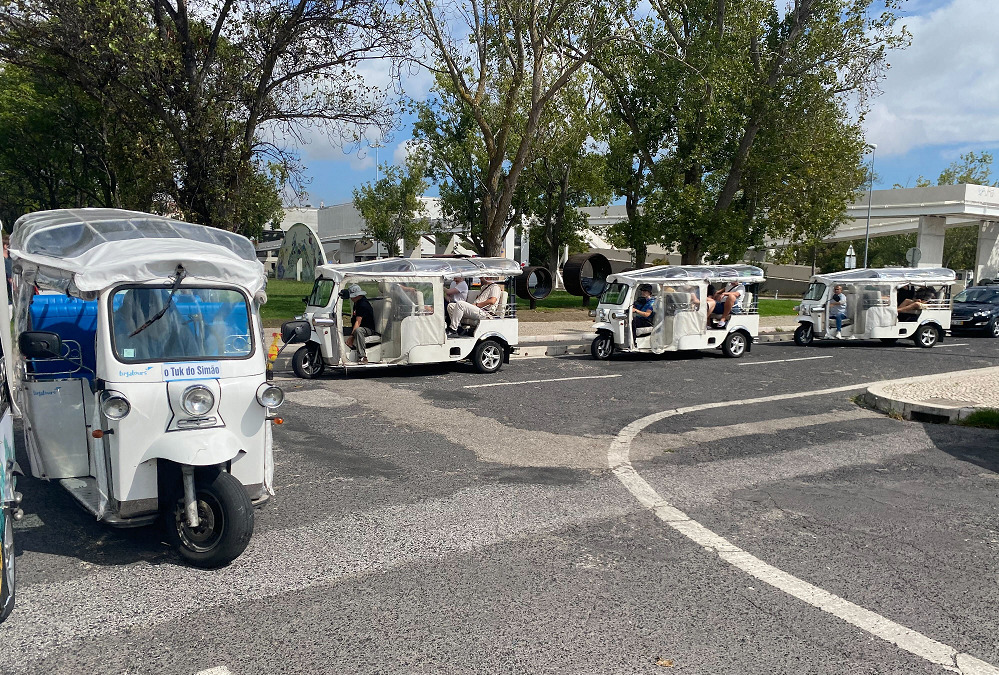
point(502, 63)
point(222, 80)
point(567, 172)
point(391, 206)
point(743, 100)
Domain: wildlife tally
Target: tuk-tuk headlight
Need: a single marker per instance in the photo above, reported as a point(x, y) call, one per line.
point(602, 315)
point(115, 406)
point(197, 400)
point(269, 395)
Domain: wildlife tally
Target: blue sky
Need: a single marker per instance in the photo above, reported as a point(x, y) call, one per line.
point(940, 99)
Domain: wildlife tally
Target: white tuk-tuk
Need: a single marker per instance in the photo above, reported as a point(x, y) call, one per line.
point(407, 299)
point(140, 372)
point(885, 304)
point(680, 319)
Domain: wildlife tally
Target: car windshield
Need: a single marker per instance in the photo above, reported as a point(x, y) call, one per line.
point(814, 292)
point(197, 324)
point(614, 294)
point(988, 295)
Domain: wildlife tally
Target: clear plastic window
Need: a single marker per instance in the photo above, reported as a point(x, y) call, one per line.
point(614, 294)
point(815, 291)
point(196, 324)
point(322, 291)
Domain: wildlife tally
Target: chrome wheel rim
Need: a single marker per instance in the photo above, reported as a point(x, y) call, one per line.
point(603, 347)
point(928, 336)
point(490, 357)
point(736, 344)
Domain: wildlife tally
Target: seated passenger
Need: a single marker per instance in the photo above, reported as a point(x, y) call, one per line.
point(486, 305)
point(732, 298)
point(641, 311)
point(908, 310)
point(457, 291)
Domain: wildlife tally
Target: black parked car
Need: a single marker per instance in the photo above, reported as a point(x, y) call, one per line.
point(976, 309)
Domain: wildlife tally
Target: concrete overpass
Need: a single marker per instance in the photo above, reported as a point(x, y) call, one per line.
point(928, 211)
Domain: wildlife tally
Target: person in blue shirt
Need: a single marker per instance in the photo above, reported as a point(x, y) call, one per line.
point(641, 311)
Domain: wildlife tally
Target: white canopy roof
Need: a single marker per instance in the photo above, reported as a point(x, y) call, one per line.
point(424, 267)
point(91, 249)
point(670, 274)
point(916, 275)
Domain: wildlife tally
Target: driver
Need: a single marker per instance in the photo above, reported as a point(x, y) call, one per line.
point(362, 322)
point(642, 310)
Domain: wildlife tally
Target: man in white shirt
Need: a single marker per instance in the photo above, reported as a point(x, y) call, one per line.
point(457, 291)
point(486, 304)
point(732, 298)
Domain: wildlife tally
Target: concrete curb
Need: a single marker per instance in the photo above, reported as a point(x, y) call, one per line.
point(927, 410)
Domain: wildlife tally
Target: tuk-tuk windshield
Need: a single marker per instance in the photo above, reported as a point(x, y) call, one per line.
point(322, 291)
point(815, 291)
point(198, 323)
point(614, 294)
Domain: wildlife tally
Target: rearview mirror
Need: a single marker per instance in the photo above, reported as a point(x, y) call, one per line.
point(296, 332)
point(38, 344)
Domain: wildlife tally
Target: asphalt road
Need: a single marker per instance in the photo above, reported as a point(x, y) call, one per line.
point(425, 523)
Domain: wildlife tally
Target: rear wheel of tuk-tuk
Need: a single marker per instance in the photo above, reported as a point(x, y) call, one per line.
point(926, 336)
point(226, 520)
point(804, 335)
point(7, 590)
point(734, 345)
point(602, 347)
point(488, 356)
point(307, 362)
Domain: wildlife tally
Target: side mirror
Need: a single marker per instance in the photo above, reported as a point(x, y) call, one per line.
point(296, 332)
point(38, 344)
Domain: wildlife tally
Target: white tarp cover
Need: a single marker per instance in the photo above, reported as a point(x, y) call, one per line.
point(447, 268)
point(92, 249)
point(918, 275)
point(671, 274)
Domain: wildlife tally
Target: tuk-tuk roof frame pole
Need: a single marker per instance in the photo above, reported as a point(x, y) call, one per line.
point(870, 198)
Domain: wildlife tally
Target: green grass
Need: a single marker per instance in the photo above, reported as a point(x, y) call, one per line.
point(556, 301)
point(986, 419)
point(284, 300)
point(777, 307)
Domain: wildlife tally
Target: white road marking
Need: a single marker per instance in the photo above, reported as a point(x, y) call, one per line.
point(803, 358)
point(619, 459)
point(554, 379)
point(218, 670)
point(944, 346)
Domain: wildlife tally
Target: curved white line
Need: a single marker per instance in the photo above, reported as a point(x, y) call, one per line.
point(619, 459)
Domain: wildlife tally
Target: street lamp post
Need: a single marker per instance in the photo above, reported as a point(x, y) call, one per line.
point(870, 198)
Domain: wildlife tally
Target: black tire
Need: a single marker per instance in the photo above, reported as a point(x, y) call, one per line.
point(926, 336)
point(226, 521)
point(889, 341)
point(804, 334)
point(602, 347)
point(307, 362)
point(8, 576)
point(993, 329)
point(735, 344)
point(488, 356)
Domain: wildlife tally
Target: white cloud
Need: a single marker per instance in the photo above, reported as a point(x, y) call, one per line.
point(944, 89)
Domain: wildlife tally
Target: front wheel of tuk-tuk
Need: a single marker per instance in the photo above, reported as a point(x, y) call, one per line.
point(804, 335)
point(602, 347)
point(226, 521)
point(307, 362)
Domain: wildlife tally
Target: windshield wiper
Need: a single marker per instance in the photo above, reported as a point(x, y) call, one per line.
point(181, 273)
